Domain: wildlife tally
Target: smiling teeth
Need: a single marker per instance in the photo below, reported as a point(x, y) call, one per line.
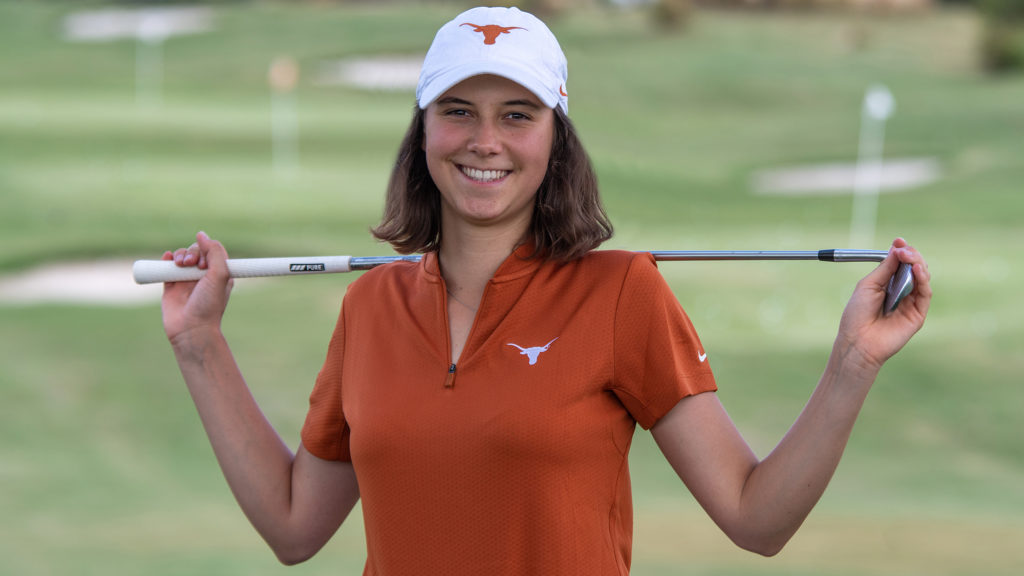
point(484, 175)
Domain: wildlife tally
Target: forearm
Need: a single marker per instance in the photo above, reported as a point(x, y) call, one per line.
point(761, 504)
point(295, 502)
point(782, 489)
point(255, 461)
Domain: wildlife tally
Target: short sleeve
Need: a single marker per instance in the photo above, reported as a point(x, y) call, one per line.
point(658, 357)
point(325, 433)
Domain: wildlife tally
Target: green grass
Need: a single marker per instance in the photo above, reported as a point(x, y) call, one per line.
point(104, 466)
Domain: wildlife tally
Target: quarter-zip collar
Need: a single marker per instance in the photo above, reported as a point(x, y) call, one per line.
point(500, 295)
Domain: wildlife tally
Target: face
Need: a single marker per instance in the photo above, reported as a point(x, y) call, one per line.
point(487, 142)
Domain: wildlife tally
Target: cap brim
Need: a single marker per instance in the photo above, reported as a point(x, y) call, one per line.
point(521, 75)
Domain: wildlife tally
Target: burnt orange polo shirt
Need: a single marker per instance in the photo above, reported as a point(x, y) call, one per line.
point(515, 460)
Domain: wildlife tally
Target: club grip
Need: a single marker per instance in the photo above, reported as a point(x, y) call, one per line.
point(150, 271)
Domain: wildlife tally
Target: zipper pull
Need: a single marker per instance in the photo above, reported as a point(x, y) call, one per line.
point(449, 382)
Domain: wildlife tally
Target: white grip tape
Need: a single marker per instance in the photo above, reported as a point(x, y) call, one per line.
point(150, 271)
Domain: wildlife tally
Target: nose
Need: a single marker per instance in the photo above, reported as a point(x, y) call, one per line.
point(485, 139)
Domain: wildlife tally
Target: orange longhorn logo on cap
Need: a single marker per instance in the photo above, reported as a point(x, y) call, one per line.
point(491, 31)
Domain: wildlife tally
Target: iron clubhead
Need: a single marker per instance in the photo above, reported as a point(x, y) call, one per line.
point(901, 284)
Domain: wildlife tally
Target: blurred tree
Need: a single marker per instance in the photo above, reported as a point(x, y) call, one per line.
point(546, 8)
point(1002, 43)
point(672, 14)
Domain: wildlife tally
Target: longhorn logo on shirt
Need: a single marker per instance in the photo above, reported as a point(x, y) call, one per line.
point(491, 31)
point(533, 353)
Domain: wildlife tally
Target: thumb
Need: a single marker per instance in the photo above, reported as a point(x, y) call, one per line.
point(213, 257)
point(887, 268)
point(881, 276)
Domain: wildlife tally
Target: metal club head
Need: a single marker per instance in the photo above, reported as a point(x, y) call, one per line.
point(901, 284)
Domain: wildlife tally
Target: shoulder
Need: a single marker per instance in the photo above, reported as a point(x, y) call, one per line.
point(616, 259)
point(623, 265)
point(635, 277)
point(608, 273)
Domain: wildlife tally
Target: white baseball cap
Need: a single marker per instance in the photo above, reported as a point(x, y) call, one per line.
point(506, 42)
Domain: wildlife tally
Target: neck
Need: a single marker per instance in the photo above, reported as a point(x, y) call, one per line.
point(469, 259)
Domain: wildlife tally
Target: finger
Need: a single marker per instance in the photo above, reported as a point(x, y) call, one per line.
point(214, 255)
point(902, 253)
point(179, 256)
point(906, 254)
point(922, 282)
point(920, 297)
point(201, 260)
point(170, 256)
point(187, 256)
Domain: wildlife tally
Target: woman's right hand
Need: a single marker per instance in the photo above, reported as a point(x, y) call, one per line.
point(188, 306)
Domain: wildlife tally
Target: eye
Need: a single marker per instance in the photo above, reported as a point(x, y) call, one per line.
point(457, 112)
point(518, 116)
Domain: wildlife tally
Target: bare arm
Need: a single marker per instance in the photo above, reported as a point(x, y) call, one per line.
point(761, 504)
point(296, 502)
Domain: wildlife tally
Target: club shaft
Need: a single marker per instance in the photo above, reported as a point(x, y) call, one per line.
point(151, 271)
point(838, 255)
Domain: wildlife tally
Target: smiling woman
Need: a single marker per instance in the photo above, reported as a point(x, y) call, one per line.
point(481, 402)
point(487, 141)
point(567, 218)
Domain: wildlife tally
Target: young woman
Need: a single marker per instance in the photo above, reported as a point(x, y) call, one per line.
point(481, 403)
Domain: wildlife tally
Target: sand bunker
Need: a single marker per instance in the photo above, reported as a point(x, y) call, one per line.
point(101, 283)
point(149, 23)
point(386, 73)
point(837, 179)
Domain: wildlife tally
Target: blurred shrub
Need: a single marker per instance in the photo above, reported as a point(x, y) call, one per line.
point(1002, 47)
point(1005, 10)
point(672, 14)
point(1002, 42)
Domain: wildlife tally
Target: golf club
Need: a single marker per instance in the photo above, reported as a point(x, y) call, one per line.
point(150, 271)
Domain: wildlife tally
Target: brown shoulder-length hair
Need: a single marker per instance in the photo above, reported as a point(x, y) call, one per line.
point(568, 217)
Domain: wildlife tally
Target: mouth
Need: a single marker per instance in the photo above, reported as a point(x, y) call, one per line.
point(483, 175)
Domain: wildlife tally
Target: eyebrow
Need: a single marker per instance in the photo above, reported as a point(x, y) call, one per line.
point(461, 102)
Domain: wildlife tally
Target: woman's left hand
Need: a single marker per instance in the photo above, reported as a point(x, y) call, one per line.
point(869, 333)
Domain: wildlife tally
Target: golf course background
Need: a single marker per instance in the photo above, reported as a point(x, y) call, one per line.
point(104, 467)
